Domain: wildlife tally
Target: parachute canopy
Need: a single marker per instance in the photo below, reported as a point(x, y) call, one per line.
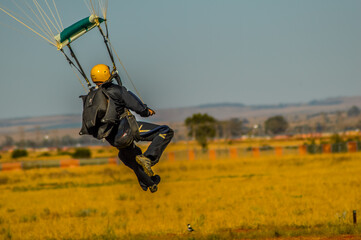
point(76, 30)
point(43, 18)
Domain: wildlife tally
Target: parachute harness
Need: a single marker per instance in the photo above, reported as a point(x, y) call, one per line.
point(110, 51)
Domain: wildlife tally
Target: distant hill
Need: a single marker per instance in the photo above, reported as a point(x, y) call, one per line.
point(221, 111)
point(329, 101)
point(222, 105)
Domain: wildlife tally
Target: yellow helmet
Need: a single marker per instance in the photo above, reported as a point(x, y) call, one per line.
point(100, 73)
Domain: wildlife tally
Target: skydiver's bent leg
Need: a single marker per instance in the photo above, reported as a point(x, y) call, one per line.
point(121, 138)
point(159, 135)
point(127, 156)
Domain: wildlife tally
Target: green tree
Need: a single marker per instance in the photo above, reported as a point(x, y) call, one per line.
point(353, 112)
point(201, 127)
point(276, 125)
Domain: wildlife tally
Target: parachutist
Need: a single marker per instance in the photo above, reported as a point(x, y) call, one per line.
point(106, 115)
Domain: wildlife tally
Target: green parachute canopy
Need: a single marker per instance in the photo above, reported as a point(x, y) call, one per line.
point(76, 30)
point(43, 19)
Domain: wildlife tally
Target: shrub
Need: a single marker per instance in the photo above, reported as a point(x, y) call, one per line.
point(82, 153)
point(17, 153)
point(44, 154)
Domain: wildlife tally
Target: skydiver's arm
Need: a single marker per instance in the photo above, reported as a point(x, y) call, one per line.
point(132, 102)
point(124, 98)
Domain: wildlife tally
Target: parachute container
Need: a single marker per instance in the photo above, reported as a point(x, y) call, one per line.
point(76, 30)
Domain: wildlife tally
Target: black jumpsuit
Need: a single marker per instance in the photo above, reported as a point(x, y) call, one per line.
point(159, 135)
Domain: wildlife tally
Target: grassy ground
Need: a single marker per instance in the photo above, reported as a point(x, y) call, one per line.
point(248, 198)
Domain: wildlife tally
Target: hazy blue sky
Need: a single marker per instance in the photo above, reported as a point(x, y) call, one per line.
point(190, 52)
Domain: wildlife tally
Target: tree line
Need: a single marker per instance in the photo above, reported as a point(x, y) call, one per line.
point(203, 127)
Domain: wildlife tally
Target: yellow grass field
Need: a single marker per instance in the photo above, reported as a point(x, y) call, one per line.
point(309, 196)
